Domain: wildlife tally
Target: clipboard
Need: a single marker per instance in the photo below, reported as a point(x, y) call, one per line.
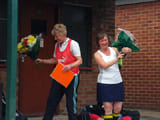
point(64, 78)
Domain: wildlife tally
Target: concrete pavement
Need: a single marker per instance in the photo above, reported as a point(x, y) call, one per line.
point(145, 115)
point(149, 115)
point(57, 117)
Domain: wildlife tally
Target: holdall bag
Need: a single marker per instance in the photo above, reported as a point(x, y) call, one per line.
point(95, 109)
point(20, 116)
point(90, 108)
point(135, 115)
point(83, 116)
point(126, 118)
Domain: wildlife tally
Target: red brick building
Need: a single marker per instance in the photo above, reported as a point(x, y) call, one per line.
point(140, 70)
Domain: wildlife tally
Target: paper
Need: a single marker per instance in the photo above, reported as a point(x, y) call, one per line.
point(64, 78)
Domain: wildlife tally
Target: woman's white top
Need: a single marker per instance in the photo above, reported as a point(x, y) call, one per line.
point(75, 49)
point(110, 75)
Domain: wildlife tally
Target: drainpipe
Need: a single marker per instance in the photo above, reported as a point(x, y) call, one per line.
point(11, 60)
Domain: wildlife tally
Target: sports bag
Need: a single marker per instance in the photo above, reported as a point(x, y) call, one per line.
point(95, 109)
point(83, 116)
point(135, 115)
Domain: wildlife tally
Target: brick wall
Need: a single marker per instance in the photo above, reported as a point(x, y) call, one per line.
point(141, 71)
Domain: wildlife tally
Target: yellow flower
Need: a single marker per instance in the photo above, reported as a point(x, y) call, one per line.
point(29, 41)
point(32, 38)
point(22, 39)
point(19, 47)
point(26, 49)
point(23, 50)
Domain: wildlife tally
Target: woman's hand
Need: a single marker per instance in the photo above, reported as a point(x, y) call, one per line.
point(66, 68)
point(120, 56)
point(38, 60)
point(126, 50)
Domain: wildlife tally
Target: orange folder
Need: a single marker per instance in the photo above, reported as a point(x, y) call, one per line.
point(64, 78)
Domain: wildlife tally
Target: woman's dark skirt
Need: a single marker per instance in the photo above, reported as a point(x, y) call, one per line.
point(110, 92)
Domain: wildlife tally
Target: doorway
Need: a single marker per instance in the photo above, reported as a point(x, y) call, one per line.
point(34, 83)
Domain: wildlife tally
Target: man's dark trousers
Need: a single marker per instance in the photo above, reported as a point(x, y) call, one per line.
point(56, 93)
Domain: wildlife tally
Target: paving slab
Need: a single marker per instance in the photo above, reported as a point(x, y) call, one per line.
point(57, 117)
point(145, 115)
point(149, 115)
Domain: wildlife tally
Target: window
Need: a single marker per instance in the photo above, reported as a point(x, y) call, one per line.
point(78, 22)
point(3, 31)
point(38, 26)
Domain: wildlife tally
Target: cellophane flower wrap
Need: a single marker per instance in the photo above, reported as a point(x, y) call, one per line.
point(125, 39)
point(29, 46)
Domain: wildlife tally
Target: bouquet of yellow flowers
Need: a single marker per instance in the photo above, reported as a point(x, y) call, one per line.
point(29, 46)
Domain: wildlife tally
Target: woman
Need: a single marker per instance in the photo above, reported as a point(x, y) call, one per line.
point(67, 52)
point(110, 90)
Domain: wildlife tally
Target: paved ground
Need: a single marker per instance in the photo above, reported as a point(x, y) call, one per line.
point(149, 115)
point(145, 115)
